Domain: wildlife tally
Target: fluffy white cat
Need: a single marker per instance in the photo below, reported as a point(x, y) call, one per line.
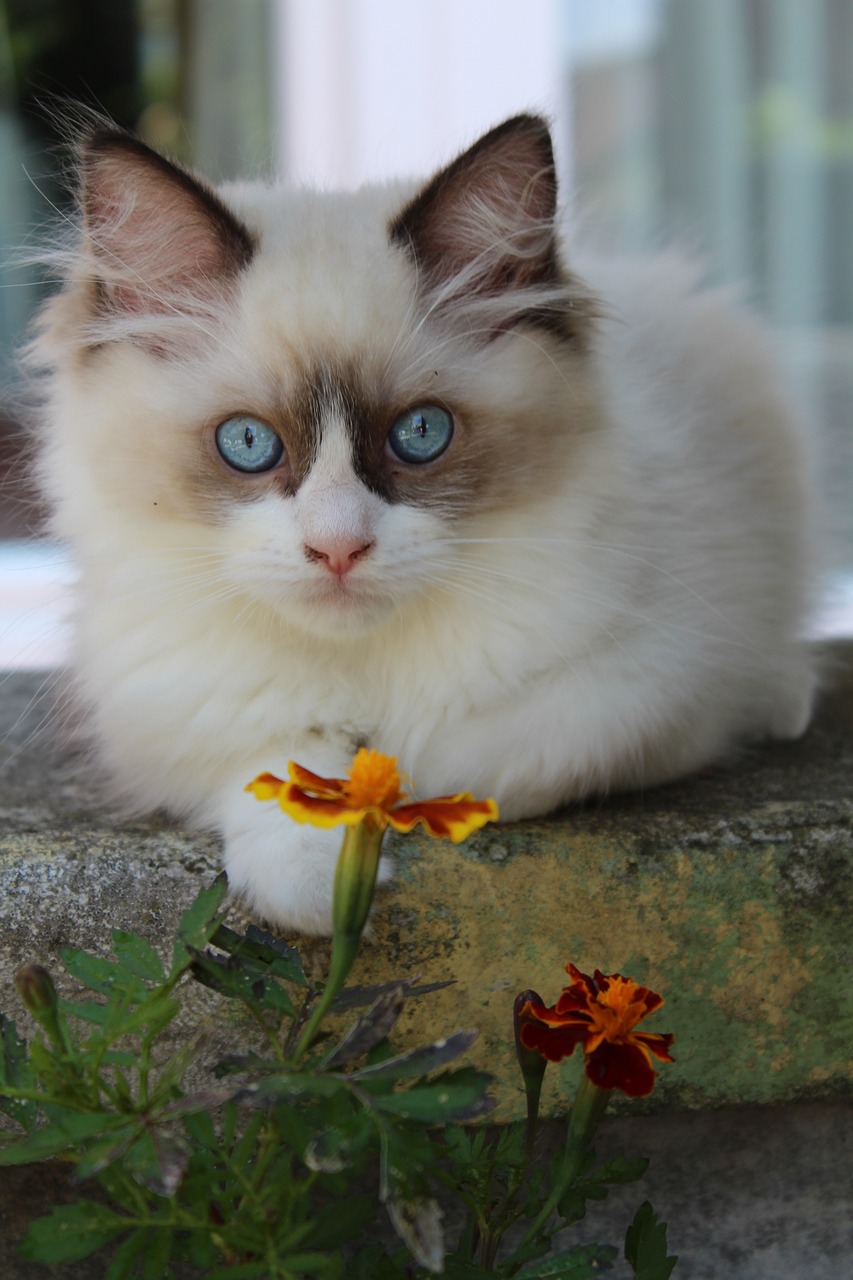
point(396, 467)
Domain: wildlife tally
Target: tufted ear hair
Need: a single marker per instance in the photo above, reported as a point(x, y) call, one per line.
point(483, 236)
point(160, 242)
point(488, 216)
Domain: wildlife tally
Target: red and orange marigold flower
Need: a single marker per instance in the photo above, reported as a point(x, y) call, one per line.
point(600, 1013)
point(371, 794)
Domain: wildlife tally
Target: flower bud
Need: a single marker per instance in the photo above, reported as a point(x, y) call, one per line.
point(532, 1064)
point(36, 989)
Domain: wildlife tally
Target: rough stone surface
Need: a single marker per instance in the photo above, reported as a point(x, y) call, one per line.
point(730, 891)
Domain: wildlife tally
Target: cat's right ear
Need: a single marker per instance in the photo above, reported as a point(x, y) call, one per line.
point(160, 242)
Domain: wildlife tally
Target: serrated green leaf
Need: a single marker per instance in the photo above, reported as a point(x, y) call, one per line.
point(645, 1246)
point(418, 1062)
point(137, 956)
point(67, 1130)
point(456, 1095)
point(234, 981)
point(95, 972)
point(262, 952)
point(151, 1016)
point(71, 1232)
point(88, 1011)
point(198, 924)
point(584, 1262)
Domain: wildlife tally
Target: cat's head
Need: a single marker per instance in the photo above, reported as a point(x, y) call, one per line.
point(323, 398)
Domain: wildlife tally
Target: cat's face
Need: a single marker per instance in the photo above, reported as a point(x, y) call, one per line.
point(320, 400)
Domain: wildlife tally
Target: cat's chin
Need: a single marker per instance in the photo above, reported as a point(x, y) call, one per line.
point(347, 616)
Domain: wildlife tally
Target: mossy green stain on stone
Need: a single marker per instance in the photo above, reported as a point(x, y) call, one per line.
point(730, 893)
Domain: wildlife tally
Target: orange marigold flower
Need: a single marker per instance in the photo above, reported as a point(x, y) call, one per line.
point(372, 793)
point(600, 1013)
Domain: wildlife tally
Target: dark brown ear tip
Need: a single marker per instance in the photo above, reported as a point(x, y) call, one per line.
point(537, 128)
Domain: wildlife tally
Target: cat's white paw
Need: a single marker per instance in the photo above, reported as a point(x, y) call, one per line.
point(283, 872)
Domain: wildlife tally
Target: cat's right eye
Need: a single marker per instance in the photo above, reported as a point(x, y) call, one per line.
point(247, 444)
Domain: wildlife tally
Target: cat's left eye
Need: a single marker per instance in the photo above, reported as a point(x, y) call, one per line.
point(247, 444)
point(421, 434)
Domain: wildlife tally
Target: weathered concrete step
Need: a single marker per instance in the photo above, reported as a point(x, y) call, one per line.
point(730, 893)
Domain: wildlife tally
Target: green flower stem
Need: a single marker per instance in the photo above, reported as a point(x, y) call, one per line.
point(355, 882)
point(590, 1105)
point(533, 1091)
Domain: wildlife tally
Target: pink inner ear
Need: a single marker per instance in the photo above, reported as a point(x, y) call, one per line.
point(493, 207)
point(160, 238)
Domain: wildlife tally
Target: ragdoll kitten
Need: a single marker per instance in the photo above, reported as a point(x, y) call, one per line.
point(390, 467)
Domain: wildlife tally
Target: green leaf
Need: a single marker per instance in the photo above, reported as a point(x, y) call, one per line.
point(286, 1085)
point(456, 1095)
point(126, 1255)
point(370, 1029)
point(95, 972)
point(171, 1156)
point(88, 1011)
point(645, 1246)
point(357, 997)
point(15, 1074)
point(418, 1062)
point(137, 956)
point(262, 952)
point(68, 1129)
point(198, 924)
point(155, 1264)
point(71, 1232)
point(231, 979)
point(584, 1262)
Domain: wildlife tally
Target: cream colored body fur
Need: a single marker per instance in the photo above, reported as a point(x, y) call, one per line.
point(622, 606)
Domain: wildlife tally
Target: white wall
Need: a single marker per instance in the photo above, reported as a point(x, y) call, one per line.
point(375, 88)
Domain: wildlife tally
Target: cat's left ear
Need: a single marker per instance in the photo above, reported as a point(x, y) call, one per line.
point(484, 227)
point(161, 242)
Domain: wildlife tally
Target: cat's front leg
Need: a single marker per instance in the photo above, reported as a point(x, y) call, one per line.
point(283, 871)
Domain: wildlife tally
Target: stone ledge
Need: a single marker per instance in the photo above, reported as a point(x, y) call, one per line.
point(730, 892)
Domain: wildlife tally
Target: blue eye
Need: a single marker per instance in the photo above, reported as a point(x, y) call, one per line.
point(421, 434)
point(247, 444)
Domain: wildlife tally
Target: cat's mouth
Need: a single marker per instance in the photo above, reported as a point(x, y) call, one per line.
point(349, 599)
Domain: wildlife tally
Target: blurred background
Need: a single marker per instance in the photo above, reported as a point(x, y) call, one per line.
point(725, 125)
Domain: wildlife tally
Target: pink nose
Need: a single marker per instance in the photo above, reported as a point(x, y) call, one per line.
point(339, 556)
